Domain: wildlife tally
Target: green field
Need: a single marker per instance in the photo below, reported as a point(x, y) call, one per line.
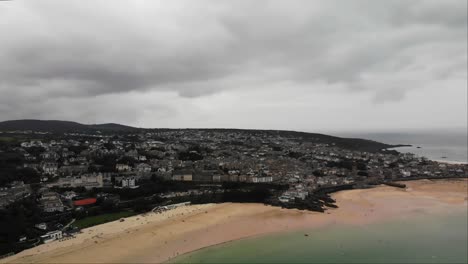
point(101, 219)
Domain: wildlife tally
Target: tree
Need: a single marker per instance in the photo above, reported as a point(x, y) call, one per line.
point(28, 175)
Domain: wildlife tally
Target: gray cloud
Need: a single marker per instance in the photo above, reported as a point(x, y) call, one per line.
point(55, 52)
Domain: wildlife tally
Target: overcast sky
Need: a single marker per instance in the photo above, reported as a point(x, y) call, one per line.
point(299, 65)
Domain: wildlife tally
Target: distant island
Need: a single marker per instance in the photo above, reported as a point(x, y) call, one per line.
point(57, 177)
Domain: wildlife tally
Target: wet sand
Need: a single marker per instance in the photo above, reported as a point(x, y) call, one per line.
point(155, 238)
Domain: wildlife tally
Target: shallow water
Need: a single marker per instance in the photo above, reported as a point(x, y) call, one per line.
point(419, 239)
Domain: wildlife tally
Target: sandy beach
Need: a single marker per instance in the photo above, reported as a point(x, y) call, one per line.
point(155, 238)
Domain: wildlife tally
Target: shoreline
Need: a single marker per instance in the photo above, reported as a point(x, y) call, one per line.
point(452, 162)
point(438, 160)
point(187, 229)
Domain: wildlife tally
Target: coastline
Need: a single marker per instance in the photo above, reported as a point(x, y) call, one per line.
point(420, 152)
point(158, 238)
point(452, 162)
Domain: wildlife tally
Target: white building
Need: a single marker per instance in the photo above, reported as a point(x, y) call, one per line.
point(405, 173)
point(262, 179)
point(50, 168)
point(122, 167)
point(88, 181)
point(41, 226)
point(52, 236)
point(126, 182)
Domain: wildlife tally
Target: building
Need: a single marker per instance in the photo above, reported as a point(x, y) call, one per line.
point(50, 168)
point(69, 195)
point(84, 202)
point(88, 181)
point(405, 173)
point(129, 182)
point(143, 167)
point(52, 236)
point(217, 178)
point(203, 175)
point(73, 169)
point(50, 202)
point(182, 175)
point(41, 226)
point(220, 178)
point(107, 180)
point(17, 191)
point(50, 155)
point(122, 167)
point(262, 179)
point(243, 178)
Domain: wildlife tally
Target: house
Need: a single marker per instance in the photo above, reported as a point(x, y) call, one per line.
point(50, 168)
point(322, 181)
point(217, 178)
point(143, 167)
point(73, 169)
point(52, 236)
point(122, 167)
point(50, 155)
point(405, 173)
point(132, 154)
point(126, 182)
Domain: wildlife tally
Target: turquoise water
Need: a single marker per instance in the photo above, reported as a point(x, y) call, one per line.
point(424, 239)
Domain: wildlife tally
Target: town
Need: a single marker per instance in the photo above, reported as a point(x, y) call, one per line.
point(54, 184)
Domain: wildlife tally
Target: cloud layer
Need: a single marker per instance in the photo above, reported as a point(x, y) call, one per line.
point(262, 64)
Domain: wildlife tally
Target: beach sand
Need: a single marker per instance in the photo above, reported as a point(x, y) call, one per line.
point(155, 238)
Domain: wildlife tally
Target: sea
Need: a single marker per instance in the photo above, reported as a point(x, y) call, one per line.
point(438, 145)
point(418, 239)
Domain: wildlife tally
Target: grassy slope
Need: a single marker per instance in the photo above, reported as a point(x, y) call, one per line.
point(101, 219)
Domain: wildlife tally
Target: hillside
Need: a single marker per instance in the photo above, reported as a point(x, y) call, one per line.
point(57, 126)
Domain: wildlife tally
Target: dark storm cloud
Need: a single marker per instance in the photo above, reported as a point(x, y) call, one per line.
point(53, 49)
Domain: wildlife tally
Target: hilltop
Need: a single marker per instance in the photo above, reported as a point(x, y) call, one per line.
point(57, 126)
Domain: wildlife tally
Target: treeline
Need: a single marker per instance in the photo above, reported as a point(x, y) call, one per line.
point(11, 164)
point(16, 220)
